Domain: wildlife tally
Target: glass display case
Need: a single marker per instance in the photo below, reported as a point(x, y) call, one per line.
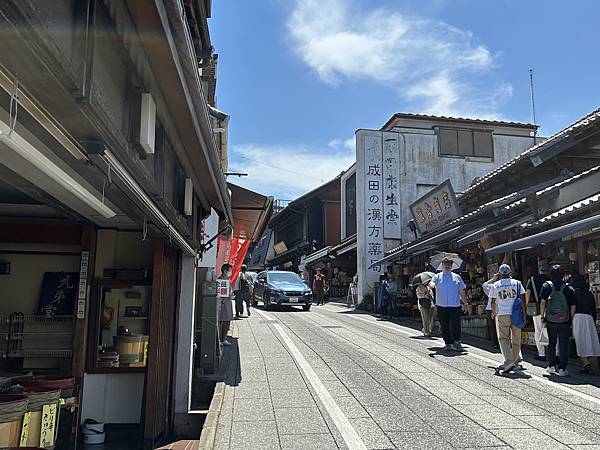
point(120, 322)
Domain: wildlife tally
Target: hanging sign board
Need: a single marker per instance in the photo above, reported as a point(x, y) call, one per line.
point(436, 208)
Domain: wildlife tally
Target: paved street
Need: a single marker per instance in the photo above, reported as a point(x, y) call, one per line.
point(332, 378)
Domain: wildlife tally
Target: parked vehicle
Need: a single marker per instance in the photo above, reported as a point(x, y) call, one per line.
point(279, 287)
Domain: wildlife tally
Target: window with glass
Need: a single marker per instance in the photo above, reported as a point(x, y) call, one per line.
point(121, 326)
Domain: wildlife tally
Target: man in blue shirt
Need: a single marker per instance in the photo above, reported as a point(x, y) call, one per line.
point(449, 294)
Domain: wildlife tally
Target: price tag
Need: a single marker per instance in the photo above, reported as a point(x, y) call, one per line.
point(48, 424)
point(25, 429)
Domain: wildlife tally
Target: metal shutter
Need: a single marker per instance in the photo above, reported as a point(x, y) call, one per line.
point(484, 144)
point(448, 141)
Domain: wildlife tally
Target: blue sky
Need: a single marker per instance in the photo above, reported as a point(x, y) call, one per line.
point(298, 77)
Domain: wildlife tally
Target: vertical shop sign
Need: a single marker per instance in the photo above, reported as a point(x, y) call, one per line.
point(392, 228)
point(82, 291)
point(374, 221)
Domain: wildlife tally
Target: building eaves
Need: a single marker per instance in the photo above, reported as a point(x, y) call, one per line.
point(575, 128)
point(305, 197)
point(462, 120)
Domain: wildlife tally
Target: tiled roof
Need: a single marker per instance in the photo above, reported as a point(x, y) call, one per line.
point(587, 121)
point(555, 186)
point(459, 119)
point(514, 200)
point(591, 201)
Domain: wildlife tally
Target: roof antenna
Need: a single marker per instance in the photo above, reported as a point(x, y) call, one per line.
point(532, 106)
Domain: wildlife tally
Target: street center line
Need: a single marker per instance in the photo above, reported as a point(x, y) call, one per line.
point(537, 378)
point(349, 434)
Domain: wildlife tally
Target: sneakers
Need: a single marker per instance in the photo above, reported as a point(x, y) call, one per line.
point(508, 369)
point(551, 370)
point(458, 347)
point(225, 343)
point(563, 373)
point(448, 348)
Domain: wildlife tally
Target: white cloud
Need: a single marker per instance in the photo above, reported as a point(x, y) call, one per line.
point(339, 143)
point(287, 172)
point(438, 68)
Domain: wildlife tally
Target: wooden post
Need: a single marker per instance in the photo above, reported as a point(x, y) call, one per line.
point(82, 314)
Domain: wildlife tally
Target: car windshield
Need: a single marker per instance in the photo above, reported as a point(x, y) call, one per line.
point(285, 278)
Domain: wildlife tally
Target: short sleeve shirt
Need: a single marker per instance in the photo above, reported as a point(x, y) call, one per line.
point(447, 289)
point(505, 292)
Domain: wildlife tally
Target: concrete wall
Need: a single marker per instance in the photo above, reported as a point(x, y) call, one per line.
point(421, 169)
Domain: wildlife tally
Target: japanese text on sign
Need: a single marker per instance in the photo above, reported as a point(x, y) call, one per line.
point(223, 288)
point(392, 226)
point(374, 196)
point(436, 208)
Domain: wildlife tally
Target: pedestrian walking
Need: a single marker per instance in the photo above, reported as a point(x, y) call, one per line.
point(426, 308)
point(449, 295)
point(491, 323)
point(238, 297)
point(557, 298)
point(392, 295)
point(225, 308)
point(584, 323)
point(532, 300)
point(318, 287)
point(503, 294)
point(383, 295)
point(245, 282)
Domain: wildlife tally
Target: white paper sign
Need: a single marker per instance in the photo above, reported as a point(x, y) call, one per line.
point(223, 288)
point(82, 291)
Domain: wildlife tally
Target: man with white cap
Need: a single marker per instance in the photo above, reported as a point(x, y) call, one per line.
point(503, 293)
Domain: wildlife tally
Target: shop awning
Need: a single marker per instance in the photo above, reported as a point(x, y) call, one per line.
point(428, 244)
point(251, 212)
point(546, 236)
point(347, 245)
point(288, 255)
point(316, 256)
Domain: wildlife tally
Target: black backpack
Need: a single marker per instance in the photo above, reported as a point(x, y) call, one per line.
point(557, 307)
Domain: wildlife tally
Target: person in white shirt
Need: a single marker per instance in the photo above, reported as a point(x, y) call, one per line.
point(503, 294)
point(491, 323)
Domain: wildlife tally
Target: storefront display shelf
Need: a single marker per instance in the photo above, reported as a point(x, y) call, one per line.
point(18, 318)
point(41, 353)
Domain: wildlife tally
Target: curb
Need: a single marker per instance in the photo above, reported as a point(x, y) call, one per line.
point(209, 429)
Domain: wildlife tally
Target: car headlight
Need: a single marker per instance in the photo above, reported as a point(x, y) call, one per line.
point(309, 292)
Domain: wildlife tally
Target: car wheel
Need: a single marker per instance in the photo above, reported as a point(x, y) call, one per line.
point(306, 307)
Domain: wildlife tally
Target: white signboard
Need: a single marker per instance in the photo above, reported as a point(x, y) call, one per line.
point(82, 291)
point(373, 195)
point(223, 288)
point(392, 227)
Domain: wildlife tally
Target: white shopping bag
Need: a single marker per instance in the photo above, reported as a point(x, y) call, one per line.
point(544, 337)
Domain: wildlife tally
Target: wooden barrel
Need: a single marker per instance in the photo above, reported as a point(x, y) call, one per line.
point(12, 409)
point(130, 348)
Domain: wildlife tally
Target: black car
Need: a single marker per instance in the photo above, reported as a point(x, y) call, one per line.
point(279, 287)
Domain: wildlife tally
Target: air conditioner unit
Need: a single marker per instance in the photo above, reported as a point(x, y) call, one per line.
point(147, 123)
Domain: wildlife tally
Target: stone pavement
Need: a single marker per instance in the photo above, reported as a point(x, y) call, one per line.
point(301, 377)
